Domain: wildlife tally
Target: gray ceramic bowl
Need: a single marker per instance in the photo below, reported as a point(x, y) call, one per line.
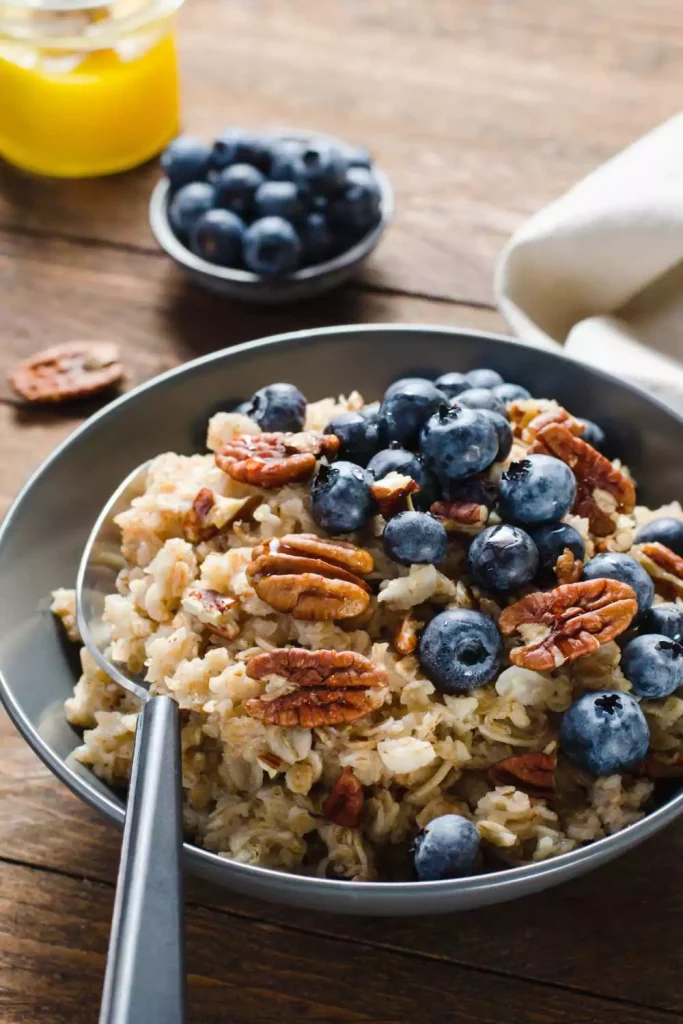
point(44, 532)
point(248, 287)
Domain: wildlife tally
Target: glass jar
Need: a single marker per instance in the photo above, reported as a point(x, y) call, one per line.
point(86, 88)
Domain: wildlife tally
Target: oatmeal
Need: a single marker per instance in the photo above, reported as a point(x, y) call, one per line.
point(426, 638)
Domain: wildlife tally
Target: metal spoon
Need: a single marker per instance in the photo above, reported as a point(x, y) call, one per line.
point(145, 974)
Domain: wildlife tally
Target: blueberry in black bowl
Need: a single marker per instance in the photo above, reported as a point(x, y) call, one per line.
point(552, 540)
point(503, 430)
point(415, 538)
point(360, 437)
point(406, 408)
point(502, 558)
point(653, 665)
point(341, 500)
point(666, 530)
point(453, 384)
point(276, 407)
point(446, 848)
point(481, 398)
point(457, 443)
point(510, 393)
point(484, 378)
point(604, 732)
point(537, 489)
point(665, 619)
point(460, 650)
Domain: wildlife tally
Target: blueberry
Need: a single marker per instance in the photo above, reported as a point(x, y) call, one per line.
point(653, 665)
point(537, 489)
point(188, 204)
point(271, 247)
point(358, 156)
point(510, 392)
point(446, 848)
point(358, 208)
point(614, 566)
point(503, 430)
point(316, 238)
point(415, 538)
point(457, 443)
point(665, 531)
point(340, 497)
point(235, 146)
point(186, 159)
point(279, 199)
point(236, 188)
point(666, 619)
point(453, 384)
point(323, 167)
point(217, 237)
point(277, 407)
point(360, 436)
point(604, 732)
point(484, 378)
point(286, 161)
point(405, 409)
point(502, 558)
point(593, 434)
point(460, 650)
point(402, 382)
point(396, 460)
point(551, 539)
point(481, 398)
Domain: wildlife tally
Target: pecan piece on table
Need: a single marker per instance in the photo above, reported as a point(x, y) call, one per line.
point(568, 567)
point(344, 803)
point(306, 576)
point(460, 516)
point(663, 565)
point(662, 766)
point(405, 640)
point(533, 773)
point(574, 620)
point(392, 493)
point(271, 460)
point(75, 369)
point(335, 687)
point(593, 473)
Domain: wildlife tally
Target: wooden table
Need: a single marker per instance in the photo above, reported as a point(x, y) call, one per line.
point(481, 111)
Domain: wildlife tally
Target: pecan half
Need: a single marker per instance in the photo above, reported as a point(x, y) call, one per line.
point(213, 610)
point(530, 415)
point(662, 766)
point(405, 640)
point(533, 773)
point(663, 565)
point(307, 577)
point(392, 493)
point(333, 669)
point(574, 620)
point(460, 516)
point(568, 567)
point(195, 526)
point(344, 804)
point(594, 473)
point(73, 370)
point(271, 460)
point(335, 687)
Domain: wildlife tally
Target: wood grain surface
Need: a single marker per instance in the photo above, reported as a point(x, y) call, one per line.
point(481, 111)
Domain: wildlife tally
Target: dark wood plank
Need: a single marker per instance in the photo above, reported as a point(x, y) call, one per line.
point(481, 113)
point(575, 936)
point(53, 933)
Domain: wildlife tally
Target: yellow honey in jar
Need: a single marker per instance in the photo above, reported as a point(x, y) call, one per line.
point(86, 89)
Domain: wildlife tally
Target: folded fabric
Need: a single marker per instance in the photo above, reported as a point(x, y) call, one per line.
point(605, 262)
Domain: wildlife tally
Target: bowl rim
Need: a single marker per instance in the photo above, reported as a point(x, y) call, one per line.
point(173, 247)
point(508, 880)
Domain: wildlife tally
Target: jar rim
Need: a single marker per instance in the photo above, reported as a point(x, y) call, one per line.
point(63, 24)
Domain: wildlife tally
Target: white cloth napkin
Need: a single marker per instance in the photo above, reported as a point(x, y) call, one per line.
point(600, 270)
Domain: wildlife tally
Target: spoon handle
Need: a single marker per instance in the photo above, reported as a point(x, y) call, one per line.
point(145, 975)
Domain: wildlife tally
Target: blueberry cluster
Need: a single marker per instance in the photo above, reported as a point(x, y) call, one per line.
point(447, 434)
point(268, 204)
